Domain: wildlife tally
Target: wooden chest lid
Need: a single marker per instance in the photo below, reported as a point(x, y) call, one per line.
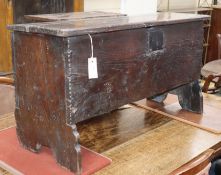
point(71, 16)
point(67, 28)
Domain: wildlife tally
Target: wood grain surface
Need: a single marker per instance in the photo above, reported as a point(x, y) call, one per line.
point(7, 121)
point(129, 60)
point(42, 96)
point(6, 18)
point(156, 152)
point(90, 26)
point(70, 16)
point(159, 151)
point(149, 150)
point(109, 130)
point(208, 120)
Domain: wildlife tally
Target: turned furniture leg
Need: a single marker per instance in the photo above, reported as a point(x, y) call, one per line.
point(190, 97)
point(208, 80)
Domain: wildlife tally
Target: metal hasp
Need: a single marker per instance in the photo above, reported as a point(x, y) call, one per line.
point(137, 57)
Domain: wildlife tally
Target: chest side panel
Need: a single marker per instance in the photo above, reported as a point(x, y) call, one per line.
point(39, 85)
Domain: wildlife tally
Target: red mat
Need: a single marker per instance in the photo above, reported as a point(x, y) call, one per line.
point(26, 162)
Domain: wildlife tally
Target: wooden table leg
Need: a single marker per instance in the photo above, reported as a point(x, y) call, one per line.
point(67, 149)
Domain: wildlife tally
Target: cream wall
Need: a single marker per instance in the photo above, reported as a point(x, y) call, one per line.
point(102, 5)
point(135, 6)
point(125, 6)
point(177, 4)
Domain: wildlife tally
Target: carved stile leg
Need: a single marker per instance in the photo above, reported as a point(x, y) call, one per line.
point(67, 149)
point(77, 148)
point(63, 140)
point(26, 138)
point(206, 85)
point(29, 144)
point(190, 97)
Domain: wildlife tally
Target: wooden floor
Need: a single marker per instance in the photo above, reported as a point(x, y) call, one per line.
point(140, 142)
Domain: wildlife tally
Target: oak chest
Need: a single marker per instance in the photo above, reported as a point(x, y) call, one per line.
point(72, 70)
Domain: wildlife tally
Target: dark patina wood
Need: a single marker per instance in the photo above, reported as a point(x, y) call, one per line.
point(190, 98)
point(137, 57)
point(71, 16)
point(109, 130)
point(68, 28)
point(27, 7)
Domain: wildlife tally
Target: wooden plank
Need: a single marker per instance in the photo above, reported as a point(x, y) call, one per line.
point(47, 63)
point(6, 18)
point(202, 162)
point(194, 10)
point(70, 16)
point(67, 28)
point(209, 120)
point(159, 151)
